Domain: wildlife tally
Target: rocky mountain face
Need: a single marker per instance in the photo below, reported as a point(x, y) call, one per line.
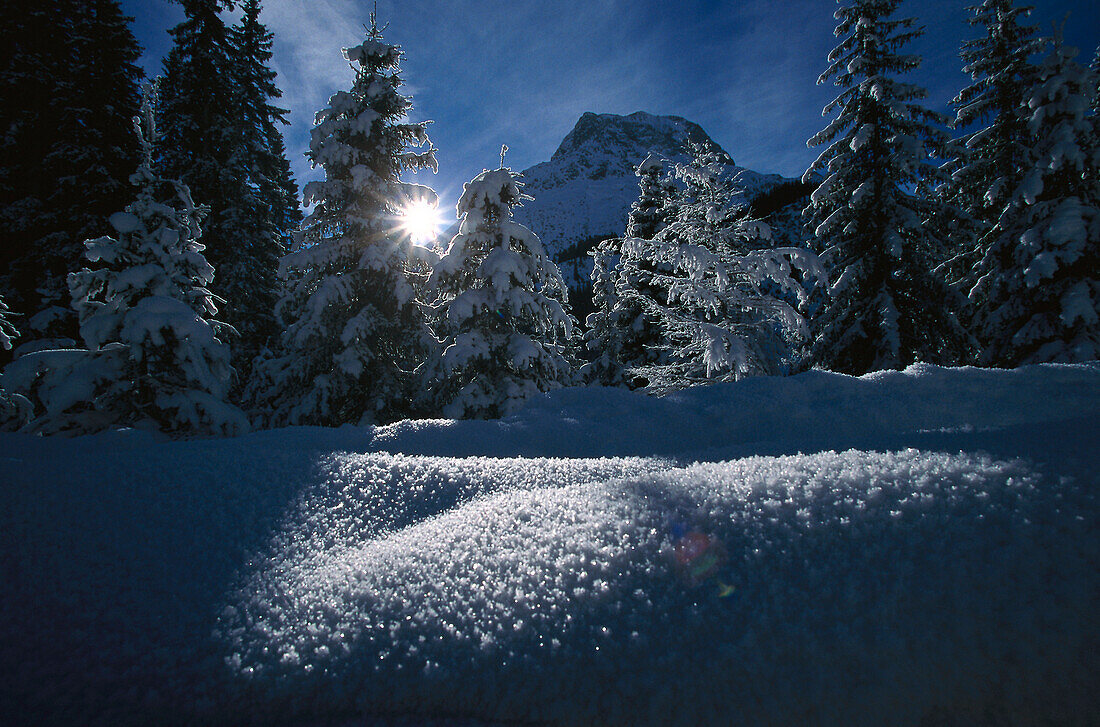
point(583, 194)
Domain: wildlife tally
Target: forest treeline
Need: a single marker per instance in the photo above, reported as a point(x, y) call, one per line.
point(156, 270)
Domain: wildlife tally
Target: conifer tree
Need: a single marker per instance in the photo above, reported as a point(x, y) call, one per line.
point(603, 337)
point(988, 161)
point(15, 410)
point(355, 335)
point(1037, 288)
point(220, 138)
point(7, 330)
point(623, 334)
point(68, 91)
point(272, 212)
point(651, 212)
point(198, 105)
point(154, 355)
point(886, 310)
point(261, 120)
point(723, 316)
point(502, 316)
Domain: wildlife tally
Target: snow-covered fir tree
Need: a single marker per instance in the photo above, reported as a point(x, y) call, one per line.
point(654, 208)
point(723, 315)
point(69, 87)
point(155, 356)
point(886, 309)
point(15, 410)
point(603, 337)
point(1036, 293)
point(622, 333)
point(501, 315)
point(355, 334)
point(987, 162)
point(7, 329)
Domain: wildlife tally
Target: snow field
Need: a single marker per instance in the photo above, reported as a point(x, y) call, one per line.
point(869, 588)
point(809, 412)
point(403, 576)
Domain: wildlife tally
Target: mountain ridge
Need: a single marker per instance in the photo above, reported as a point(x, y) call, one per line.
point(583, 193)
point(587, 186)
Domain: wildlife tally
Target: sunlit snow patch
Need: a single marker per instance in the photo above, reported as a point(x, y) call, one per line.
point(858, 588)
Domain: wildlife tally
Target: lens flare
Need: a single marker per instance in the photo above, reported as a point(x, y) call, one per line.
point(422, 221)
point(700, 558)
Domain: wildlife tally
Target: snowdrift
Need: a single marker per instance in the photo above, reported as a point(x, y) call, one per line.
point(904, 548)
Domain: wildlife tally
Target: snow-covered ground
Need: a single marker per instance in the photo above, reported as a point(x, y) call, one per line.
point(905, 548)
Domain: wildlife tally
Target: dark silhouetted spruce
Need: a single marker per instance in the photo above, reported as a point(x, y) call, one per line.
point(69, 88)
point(212, 143)
point(1036, 292)
point(262, 120)
point(886, 309)
point(273, 212)
point(986, 163)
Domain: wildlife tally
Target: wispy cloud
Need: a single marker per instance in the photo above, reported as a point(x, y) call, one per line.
point(308, 39)
point(522, 73)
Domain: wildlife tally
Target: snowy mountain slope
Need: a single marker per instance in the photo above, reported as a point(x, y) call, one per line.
point(358, 576)
point(586, 189)
point(583, 193)
point(588, 185)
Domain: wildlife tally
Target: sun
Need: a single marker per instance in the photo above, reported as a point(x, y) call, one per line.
point(421, 220)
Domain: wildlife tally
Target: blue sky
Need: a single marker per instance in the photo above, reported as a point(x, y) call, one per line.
point(521, 72)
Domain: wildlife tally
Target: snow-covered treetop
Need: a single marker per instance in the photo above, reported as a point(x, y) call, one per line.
point(870, 39)
point(485, 208)
point(384, 54)
point(1059, 107)
point(878, 120)
point(372, 53)
point(701, 172)
point(492, 188)
point(997, 60)
point(984, 163)
point(651, 164)
point(362, 142)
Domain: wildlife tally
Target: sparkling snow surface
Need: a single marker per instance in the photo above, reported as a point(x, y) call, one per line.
point(905, 548)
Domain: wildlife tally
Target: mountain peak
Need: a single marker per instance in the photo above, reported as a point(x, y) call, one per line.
point(605, 135)
point(584, 193)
